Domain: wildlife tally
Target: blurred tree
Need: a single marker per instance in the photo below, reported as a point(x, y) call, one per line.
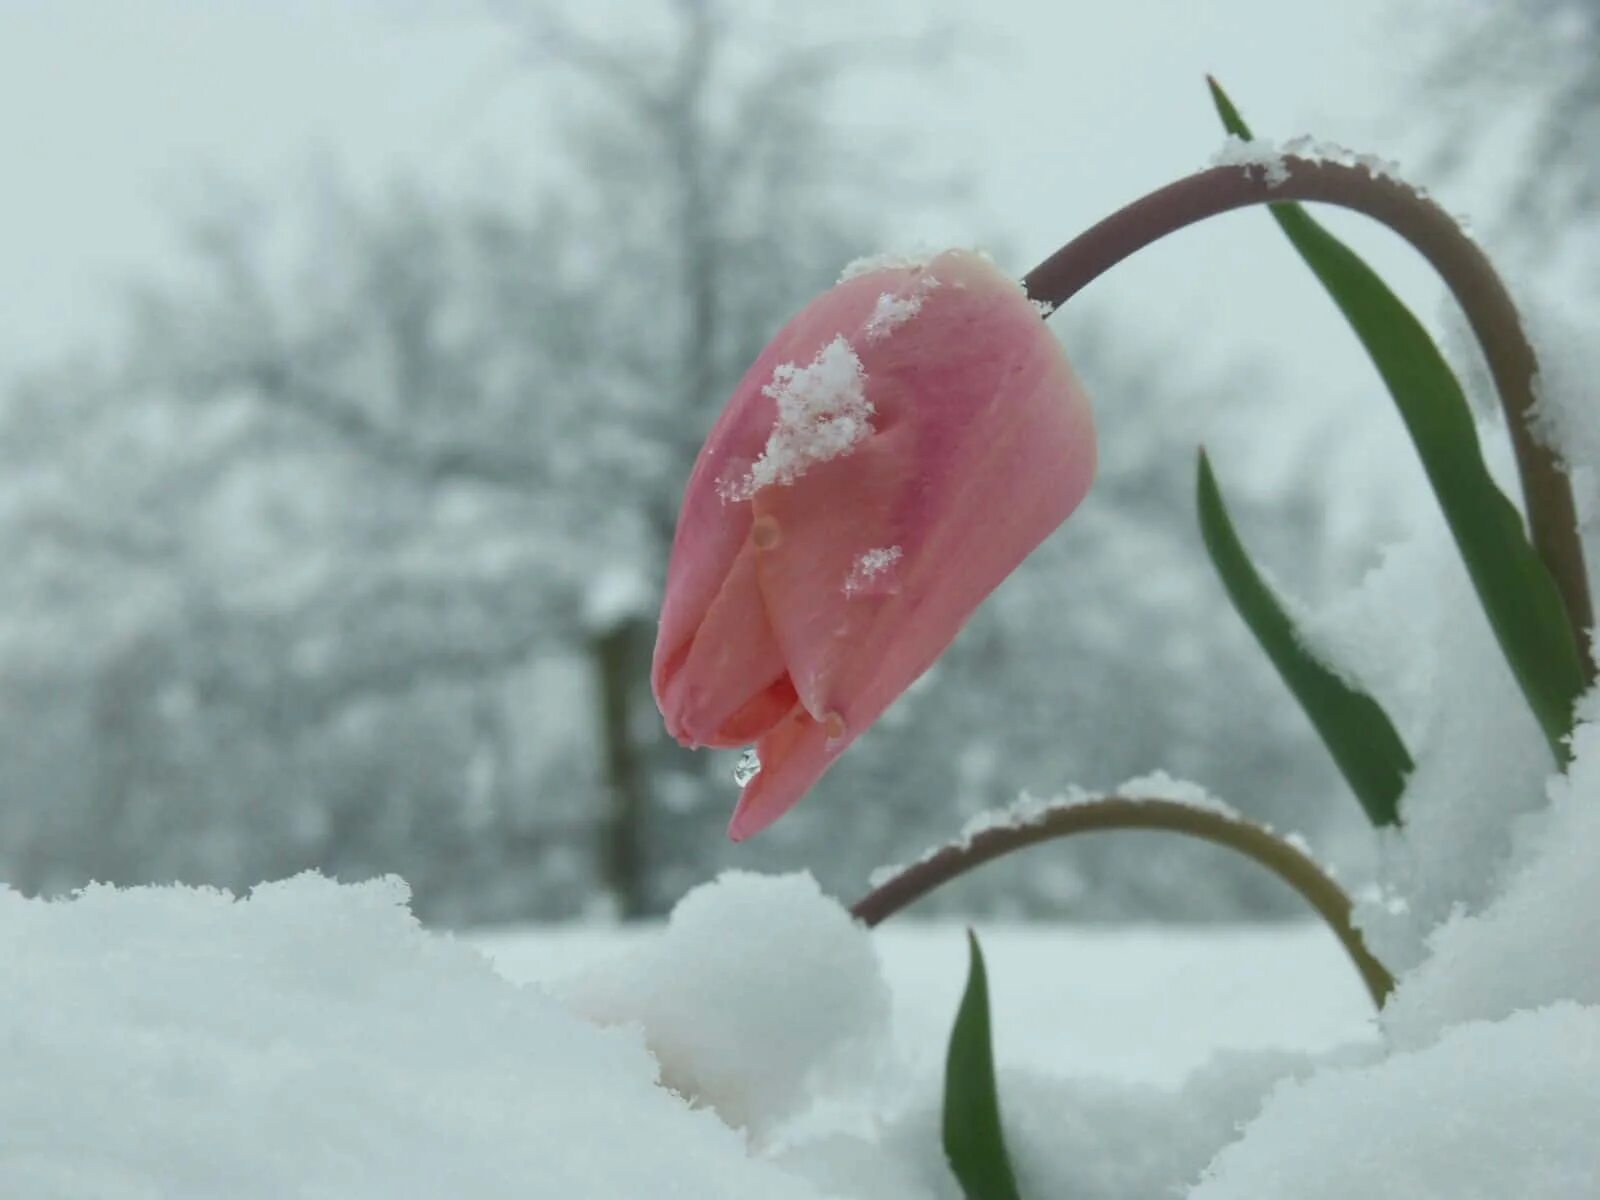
point(725, 186)
point(459, 428)
point(349, 559)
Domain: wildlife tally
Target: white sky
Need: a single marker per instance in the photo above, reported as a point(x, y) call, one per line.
point(112, 111)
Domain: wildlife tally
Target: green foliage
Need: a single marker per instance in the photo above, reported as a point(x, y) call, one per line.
point(1516, 590)
point(973, 1141)
point(1355, 729)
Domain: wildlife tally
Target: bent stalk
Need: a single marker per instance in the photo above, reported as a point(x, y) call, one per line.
point(1547, 494)
point(1127, 812)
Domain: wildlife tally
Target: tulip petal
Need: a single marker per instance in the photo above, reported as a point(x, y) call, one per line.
point(845, 510)
point(713, 525)
point(711, 532)
point(1026, 466)
point(760, 714)
point(984, 444)
point(702, 554)
point(733, 664)
point(793, 754)
point(901, 445)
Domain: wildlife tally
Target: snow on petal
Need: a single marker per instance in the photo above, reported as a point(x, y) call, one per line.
point(872, 264)
point(823, 412)
point(870, 567)
point(894, 309)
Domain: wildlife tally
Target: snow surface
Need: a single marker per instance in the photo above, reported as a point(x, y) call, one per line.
point(1538, 940)
point(1413, 633)
point(1068, 1000)
point(1492, 1111)
point(1089, 1139)
point(764, 1055)
point(823, 413)
point(313, 1040)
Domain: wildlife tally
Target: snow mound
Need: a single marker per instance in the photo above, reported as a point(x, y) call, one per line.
point(311, 1040)
point(1414, 634)
point(1489, 1111)
point(1090, 1139)
point(1539, 941)
point(760, 994)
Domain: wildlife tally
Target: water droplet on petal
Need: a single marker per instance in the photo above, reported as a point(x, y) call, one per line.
point(833, 726)
point(747, 768)
point(765, 533)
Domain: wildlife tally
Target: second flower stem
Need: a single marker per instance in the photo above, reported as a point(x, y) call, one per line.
point(1222, 828)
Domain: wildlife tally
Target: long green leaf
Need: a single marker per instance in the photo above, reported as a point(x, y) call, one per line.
point(972, 1139)
point(1513, 584)
point(1352, 725)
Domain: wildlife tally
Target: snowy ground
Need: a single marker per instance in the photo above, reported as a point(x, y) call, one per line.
point(312, 1040)
point(1147, 1004)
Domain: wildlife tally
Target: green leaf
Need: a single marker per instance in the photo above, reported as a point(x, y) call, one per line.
point(973, 1142)
point(1352, 725)
point(1514, 586)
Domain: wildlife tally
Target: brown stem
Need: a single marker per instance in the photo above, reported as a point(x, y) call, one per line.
point(1128, 812)
point(1552, 517)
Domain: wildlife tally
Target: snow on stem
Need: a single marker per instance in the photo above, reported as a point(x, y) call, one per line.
point(1552, 516)
point(1104, 813)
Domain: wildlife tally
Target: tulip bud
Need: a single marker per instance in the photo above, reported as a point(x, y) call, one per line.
point(902, 444)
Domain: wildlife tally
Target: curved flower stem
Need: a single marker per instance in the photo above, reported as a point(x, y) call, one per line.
point(1128, 812)
point(1552, 517)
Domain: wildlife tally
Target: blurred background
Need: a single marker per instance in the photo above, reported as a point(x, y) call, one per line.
point(353, 357)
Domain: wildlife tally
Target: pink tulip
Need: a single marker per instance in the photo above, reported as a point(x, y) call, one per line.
point(899, 448)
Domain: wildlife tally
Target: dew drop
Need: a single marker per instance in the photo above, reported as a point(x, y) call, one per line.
point(765, 533)
point(748, 767)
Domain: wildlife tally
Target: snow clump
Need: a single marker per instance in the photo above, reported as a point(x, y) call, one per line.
point(312, 1039)
point(823, 413)
point(760, 993)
